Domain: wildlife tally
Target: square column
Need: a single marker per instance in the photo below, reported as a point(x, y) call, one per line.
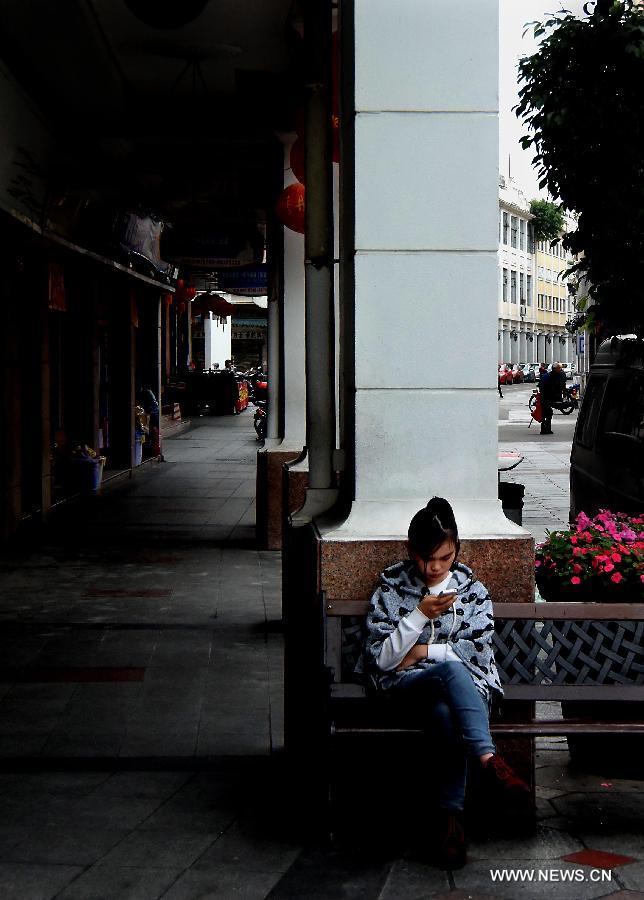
point(426, 267)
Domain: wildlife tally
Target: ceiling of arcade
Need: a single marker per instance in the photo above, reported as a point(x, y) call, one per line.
point(176, 116)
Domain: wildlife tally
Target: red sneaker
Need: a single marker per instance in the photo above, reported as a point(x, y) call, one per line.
point(450, 850)
point(498, 775)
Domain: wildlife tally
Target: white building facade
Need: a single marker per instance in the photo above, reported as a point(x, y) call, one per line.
point(517, 326)
point(533, 298)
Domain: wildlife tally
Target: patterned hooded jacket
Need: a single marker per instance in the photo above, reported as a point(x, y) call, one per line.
point(468, 625)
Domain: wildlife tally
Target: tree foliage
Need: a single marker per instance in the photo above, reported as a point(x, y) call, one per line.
point(548, 222)
point(582, 99)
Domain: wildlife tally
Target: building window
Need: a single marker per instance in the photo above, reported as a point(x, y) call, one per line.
point(528, 293)
point(555, 304)
point(506, 228)
point(530, 238)
point(522, 287)
point(522, 234)
point(505, 285)
point(513, 286)
point(514, 228)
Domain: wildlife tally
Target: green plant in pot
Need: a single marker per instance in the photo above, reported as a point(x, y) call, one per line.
point(600, 559)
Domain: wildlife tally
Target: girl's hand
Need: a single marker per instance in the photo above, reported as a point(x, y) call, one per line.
point(434, 605)
point(417, 652)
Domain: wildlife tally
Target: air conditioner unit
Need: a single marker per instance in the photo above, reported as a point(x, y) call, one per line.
point(523, 310)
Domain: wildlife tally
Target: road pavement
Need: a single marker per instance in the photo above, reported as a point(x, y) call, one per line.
point(545, 469)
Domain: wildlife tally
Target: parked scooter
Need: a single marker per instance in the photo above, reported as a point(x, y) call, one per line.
point(260, 421)
point(569, 402)
point(260, 399)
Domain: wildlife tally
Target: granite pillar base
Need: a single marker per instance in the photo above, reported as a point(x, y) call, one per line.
point(271, 509)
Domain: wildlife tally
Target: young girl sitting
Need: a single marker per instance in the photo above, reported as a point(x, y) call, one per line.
point(429, 645)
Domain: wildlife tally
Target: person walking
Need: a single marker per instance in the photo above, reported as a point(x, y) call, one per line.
point(551, 388)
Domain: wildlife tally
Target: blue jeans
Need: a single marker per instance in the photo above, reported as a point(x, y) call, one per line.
point(455, 719)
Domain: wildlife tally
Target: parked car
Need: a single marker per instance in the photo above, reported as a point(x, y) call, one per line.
point(606, 470)
point(528, 373)
point(505, 374)
point(517, 374)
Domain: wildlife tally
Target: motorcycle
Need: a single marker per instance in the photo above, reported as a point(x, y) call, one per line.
point(260, 399)
point(260, 420)
point(569, 402)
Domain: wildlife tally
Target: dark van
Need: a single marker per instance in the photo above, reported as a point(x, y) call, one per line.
point(607, 458)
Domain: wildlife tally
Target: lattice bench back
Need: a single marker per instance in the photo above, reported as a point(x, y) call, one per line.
point(556, 650)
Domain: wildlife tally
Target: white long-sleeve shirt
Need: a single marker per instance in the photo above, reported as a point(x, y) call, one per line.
point(399, 643)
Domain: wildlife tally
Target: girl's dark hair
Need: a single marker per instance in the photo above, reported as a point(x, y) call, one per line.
point(431, 527)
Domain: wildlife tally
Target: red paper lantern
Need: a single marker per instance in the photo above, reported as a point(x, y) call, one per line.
point(335, 138)
point(290, 207)
point(297, 159)
point(190, 293)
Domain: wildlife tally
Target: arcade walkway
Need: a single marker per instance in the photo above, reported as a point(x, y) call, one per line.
point(141, 720)
point(144, 627)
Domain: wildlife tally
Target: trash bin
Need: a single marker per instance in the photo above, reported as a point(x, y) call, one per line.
point(139, 437)
point(86, 474)
point(511, 497)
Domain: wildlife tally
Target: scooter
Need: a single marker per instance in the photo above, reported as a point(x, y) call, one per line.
point(569, 402)
point(260, 420)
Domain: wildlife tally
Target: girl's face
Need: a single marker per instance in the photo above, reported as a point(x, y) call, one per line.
point(435, 569)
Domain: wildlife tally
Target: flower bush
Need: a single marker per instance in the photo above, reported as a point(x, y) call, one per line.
point(601, 557)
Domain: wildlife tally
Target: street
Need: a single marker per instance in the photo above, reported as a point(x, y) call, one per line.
point(544, 470)
point(514, 418)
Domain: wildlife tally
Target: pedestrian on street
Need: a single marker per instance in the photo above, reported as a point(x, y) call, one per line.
point(499, 385)
point(428, 648)
point(551, 387)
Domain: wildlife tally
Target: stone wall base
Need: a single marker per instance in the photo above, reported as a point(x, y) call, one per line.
point(271, 511)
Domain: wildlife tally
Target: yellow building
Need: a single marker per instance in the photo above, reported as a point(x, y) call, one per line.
point(554, 304)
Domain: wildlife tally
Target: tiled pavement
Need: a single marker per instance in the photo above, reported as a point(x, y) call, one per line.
point(140, 715)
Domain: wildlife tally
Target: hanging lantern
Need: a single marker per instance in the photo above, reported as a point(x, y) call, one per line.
point(296, 159)
point(290, 207)
point(335, 138)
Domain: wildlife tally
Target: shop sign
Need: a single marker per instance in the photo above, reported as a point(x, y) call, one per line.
point(205, 248)
point(249, 281)
point(57, 299)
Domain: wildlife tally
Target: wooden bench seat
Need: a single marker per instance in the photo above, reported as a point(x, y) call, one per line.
point(588, 652)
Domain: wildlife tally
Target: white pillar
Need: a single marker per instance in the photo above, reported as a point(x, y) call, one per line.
point(507, 340)
point(523, 347)
point(514, 346)
point(218, 344)
point(293, 349)
point(426, 219)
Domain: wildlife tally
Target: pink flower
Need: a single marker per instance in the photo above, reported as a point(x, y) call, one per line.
point(641, 577)
point(582, 521)
point(577, 569)
point(616, 557)
point(609, 567)
point(573, 540)
point(537, 563)
point(576, 580)
point(616, 577)
point(577, 551)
